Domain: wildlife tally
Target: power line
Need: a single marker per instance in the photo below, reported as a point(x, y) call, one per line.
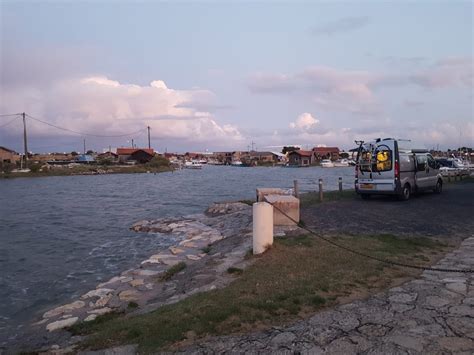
point(84, 133)
point(10, 114)
point(6, 124)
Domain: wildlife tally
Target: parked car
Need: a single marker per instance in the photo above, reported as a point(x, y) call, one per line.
point(393, 167)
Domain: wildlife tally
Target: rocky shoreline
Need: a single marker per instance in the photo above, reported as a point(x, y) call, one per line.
point(207, 245)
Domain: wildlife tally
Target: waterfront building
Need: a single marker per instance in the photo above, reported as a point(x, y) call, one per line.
point(301, 158)
point(326, 153)
point(8, 155)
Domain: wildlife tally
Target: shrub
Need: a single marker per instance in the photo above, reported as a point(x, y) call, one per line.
point(35, 167)
point(158, 162)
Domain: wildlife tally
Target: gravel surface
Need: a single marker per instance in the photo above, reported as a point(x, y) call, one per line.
point(447, 215)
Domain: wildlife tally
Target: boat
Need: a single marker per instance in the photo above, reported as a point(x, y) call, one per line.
point(237, 163)
point(193, 165)
point(341, 163)
point(326, 163)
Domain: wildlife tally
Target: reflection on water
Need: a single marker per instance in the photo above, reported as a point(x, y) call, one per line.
point(60, 236)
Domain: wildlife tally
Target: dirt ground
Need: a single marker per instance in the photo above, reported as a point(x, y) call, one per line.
point(449, 215)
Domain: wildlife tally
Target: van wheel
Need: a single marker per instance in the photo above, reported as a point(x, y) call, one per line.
point(439, 187)
point(406, 192)
point(365, 196)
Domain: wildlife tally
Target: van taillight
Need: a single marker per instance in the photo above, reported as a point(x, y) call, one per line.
point(397, 169)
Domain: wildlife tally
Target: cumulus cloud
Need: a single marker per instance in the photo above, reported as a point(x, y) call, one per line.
point(305, 121)
point(329, 88)
point(100, 104)
point(355, 91)
point(341, 25)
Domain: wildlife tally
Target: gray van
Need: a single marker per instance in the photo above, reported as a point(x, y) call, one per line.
point(392, 166)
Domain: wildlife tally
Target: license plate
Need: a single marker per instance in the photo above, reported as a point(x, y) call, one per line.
point(366, 186)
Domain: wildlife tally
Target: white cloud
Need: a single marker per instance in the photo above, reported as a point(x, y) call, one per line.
point(305, 121)
point(99, 104)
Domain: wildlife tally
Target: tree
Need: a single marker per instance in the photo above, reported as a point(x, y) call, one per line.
point(289, 149)
point(74, 154)
point(89, 152)
point(158, 161)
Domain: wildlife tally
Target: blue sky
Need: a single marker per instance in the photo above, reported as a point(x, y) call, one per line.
point(229, 74)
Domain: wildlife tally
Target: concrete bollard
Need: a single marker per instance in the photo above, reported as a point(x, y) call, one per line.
point(296, 189)
point(262, 226)
point(321, 190)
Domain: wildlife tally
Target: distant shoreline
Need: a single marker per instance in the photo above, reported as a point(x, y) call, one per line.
point(88, 171)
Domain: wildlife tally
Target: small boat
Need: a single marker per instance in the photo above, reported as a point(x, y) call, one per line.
point(341, 162)
point(193, 165)
point(326, 163)
point(237, 163)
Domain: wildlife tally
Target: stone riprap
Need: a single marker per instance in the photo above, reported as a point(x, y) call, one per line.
point(431, 315)
point(142, 285)
point(208, 243)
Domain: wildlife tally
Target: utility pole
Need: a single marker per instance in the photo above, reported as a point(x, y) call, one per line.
point(253, 143)
point(84, 146)
point(132, 144)
point(149, 143)
point(25, 143)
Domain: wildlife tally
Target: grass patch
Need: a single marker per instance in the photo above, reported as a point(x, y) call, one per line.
point(173, 271)
point(132, 305)
point(235, 271)
point(206, 249)
point(248, 202)
point(311, 198)
point(248, 254)
point(296, 277)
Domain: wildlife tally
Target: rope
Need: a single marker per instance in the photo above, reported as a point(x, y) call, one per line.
point(394, 263)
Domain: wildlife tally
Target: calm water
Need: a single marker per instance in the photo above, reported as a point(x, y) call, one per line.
point(60, 236)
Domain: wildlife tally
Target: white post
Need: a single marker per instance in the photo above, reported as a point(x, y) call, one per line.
point(262, 226)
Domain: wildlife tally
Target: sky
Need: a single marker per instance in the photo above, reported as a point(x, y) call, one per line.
point(223, 75)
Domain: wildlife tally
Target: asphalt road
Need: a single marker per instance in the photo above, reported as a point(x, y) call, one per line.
point(450, 214)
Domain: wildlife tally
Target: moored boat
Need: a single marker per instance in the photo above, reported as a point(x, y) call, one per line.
point(193, 165)
point(326, 163)
point(341, 163)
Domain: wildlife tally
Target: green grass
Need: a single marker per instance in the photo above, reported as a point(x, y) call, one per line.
point(207, 249)
point(248, 202)
point(132, 305)
point(294, 278)
point(235, 270)
point(85, 169)
point(173, 270)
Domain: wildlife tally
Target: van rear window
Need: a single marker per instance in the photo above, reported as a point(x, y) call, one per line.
point(377, 160)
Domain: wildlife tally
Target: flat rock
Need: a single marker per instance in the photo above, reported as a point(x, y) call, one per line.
point(436, 302)
point(457, 287)
point(283, 338)
point(403, 297)
point(103, 301)
point(100, 292)
point(90, 317)
point(193, 257)
point(60, 324)
point(407, 342)
point(456, 344)
point(64, 309)
point(175, 250)
point(100, 311)
point(136, 282)
point(112, 280)
point(129, 295)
